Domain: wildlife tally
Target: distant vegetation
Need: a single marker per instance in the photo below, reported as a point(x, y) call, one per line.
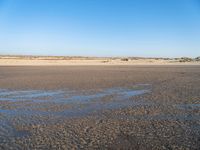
point(188, 59)
point(197, 58)
point(185, 59)
point(102, 59)
point(124, 59)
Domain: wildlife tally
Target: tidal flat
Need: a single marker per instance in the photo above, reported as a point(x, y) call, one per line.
point(100, 107)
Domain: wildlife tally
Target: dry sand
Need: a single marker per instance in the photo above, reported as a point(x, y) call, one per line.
point(165, 117)
point(63, 61)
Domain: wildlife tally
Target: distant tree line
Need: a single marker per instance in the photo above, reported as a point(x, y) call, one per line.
point(182, 59)
point(188, 59)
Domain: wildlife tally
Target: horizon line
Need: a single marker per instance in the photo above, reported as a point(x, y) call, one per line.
point(85, 56)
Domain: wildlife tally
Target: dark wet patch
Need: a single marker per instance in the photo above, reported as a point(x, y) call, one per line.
point(16, 96)
point(81, 104)
point(188, 106)
point(66, 96)
point(8, 131)
point(31, 106)
point(21, 133)
point(164, 117)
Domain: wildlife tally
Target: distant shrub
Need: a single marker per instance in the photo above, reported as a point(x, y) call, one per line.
point(124, 59)
point(105, 61)
point(185, 59)
point(166, 58)
point(134, 58)
point(197, 58)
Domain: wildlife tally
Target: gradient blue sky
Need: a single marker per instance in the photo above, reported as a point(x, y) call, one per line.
point(160, 28)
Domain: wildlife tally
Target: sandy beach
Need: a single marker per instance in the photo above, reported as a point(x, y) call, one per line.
point(100, 107)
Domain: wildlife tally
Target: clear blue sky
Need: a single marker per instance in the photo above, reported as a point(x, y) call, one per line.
point(161, 28)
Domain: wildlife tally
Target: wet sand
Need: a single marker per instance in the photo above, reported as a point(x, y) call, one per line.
point(100, 107)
